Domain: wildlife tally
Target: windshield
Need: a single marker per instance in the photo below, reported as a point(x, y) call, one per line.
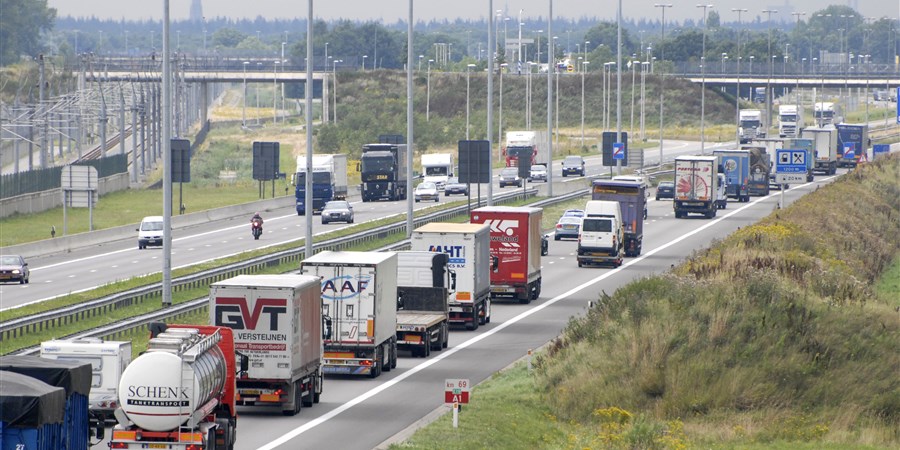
point(453, 181)
point(750, 123)
point(788, 118)
point(509, 172)
point(572, 160)
point(597, 225)
point(436, 171)
point(9, 260)
point(377, 163)
point(151, 226)
point(427, 185)
point(318, 178)
point(824, 113)
point(337, 205)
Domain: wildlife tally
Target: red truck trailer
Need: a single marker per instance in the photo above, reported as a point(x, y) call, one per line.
point(516, 244)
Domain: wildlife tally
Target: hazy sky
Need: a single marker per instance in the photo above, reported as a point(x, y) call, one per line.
point(425, 10)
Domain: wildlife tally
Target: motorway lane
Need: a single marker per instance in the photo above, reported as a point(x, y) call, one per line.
point(376, 409)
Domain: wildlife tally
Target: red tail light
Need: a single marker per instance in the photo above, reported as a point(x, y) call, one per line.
point(558, 226)
point(118, 445)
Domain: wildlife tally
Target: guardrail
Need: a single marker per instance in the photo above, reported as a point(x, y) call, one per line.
point(74, 313)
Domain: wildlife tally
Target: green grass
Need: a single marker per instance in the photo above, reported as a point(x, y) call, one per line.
point(888, 285)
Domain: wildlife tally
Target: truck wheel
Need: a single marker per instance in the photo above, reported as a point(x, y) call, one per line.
point(393, 362)
point(580, 264)
point(307, 399)
point(298, 401)
point(379, 361)
point(445, 340)
point(317, 392)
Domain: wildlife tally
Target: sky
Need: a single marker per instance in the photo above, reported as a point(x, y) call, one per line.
point(389, 11)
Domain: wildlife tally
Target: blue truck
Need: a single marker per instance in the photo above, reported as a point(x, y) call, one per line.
point(735, 165)
point(329, 181)
point(853, 141)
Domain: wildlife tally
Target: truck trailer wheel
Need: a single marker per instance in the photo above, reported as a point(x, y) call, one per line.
point(297, 401)
point(379, 361)
point(307, 400)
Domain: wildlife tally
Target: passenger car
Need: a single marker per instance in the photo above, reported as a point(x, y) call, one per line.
point(14, 268)
point(573, 213)
point(573, 165)
point(427, 191)
point(337, 211)
point(538, 173)
point(509, 176)
point(567, 227)
point(150, 232)
point(453, 186)
point(665, 189)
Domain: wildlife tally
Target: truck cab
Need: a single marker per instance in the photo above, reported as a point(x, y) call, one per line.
point(789, 121)
point(602, 234)
point(437, 168)
point(751, 125)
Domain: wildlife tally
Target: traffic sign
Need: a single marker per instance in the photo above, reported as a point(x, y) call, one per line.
point(790, 161)
point(456, 391)
point(880, 149)
point(790, 178)
point(618, 150)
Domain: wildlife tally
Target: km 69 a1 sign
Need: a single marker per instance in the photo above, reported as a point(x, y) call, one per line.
point(456, 391)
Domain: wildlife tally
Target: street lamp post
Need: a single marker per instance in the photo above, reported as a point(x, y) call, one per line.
point(364, 62)
point(539, 49)
point(326, 58)
point(586, 50)
point(428, 91)
point(703, 82)
point(334, 75)
point(244, 102)
point(275, 92)
point(256, 91)
point(419, 67)
point(469, 68)
point(644, 67)
point(583, 70)
point(771, 67)
point(737, 98)
point(662, 77)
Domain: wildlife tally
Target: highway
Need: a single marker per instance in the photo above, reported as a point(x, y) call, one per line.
point(84, 269)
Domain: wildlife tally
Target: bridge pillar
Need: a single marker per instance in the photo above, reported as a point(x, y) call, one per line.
point(204, 102)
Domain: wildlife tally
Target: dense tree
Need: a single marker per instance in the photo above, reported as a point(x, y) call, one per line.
point(21, 24)
point(228, 37)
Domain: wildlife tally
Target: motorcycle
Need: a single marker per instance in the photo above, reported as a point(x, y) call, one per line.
point(256, 228)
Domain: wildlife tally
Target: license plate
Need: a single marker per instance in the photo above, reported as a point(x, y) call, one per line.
point(456, 309)
point(157, 445)
point(569, 227)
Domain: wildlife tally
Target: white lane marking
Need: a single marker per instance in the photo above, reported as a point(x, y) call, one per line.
point(450, 352)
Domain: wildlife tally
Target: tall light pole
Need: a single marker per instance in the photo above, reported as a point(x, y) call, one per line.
point(583, 70)
point(586, 50)
point(771, 69)
point(244, 103)
point(256, 91)
point(540, 32)
point(275, 92)
point(519, 59)
point(428, 91)
point(364, 62)
point(737, 98)
point(644, 65)
point(469, 68)
point(550, 51)
point(500, 106)
point(662, 77)
point(334, 75)
point(326, 58)
point(703, 82)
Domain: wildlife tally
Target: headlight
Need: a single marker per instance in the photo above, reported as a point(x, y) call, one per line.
point(16, 271)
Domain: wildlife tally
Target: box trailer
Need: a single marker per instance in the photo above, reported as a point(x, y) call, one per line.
point(516, 244)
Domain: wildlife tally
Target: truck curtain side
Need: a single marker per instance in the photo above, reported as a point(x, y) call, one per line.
point(383, 172)
point(359, 296)
point(632, 199)
point(468, 246)
point(853, 142)
point(277, 323)
point(516, 244)
point(695, 185)
point(736, 166)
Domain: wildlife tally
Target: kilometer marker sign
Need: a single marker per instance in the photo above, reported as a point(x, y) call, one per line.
point(456, 391)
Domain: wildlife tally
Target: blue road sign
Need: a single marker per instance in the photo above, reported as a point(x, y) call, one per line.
point(880, 149)
point(618, 150)
point(790, 161)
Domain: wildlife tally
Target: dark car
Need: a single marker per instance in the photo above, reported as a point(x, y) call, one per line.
point(337, 211)
point(14, 268)
point(453, 186)
point(509, 176)
point(573, 165)
point(665, 189)
point(567, 227)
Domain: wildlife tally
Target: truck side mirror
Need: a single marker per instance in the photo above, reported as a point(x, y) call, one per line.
point(326, 329)
point(495, 263)
point(243, 363)
point(452, 281)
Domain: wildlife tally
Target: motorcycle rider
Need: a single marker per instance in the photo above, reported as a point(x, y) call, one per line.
point(257, 218)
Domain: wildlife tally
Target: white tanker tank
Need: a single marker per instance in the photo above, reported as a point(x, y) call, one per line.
point(182, 371)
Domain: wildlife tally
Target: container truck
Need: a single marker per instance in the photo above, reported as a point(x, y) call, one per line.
point(751, 125)
point(469, 248)
point(736, 167)
point(382, 169)
point(516, 244)
point(825, 148)
point(73, 378)
point(329, 181)
point(602, 234)
point(534, 143)
point(853, 142)
point(198, 363)
point(696, 184)
point(760, 168)
point(108, 359)
point(359, 295)
point(437, 168)
point(424, 283)
point(632, 199)
point(790, 120)
point(277, 323)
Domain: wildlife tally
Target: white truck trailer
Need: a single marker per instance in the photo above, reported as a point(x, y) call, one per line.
point(424, 283)
point(696, 185)
point(533, 143)
point(469, 248)
point(825, 147)
point(359, 296)
point(277, 324)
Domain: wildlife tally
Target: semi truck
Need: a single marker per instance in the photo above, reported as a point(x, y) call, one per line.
point(199, 363)
point(359, 295)
point(382, 169)
point(825, 113)
point(825, 147)
point(760, 168)
point(469, 248)
point(696, 184)
point(751, 125)
point(329, 181)
point(602, 238)
point(534, 143)
point(790, 120)
point(424, 283)
point(736, 167)
point(277, 323)
point(516, 244)
point(108, 359)
point(632, 199)
point(437, 168)
point(853, 142)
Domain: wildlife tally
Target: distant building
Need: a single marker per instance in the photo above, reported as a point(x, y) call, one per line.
point(196, 14)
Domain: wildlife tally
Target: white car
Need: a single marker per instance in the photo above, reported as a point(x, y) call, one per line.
point(427, 191)
point(538, 173)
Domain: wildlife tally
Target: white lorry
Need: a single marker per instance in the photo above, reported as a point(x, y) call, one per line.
point(469, 248)
point(602, 238)
point(424, 282)
point(696, 185)
point(825, 113)
point(108, 360)
point(790, 121)
point(359, 296)
point(535, 144)
point(277, 323)
point(751, 125)
point(437, 168)
point(825, 147)
point(329, 181)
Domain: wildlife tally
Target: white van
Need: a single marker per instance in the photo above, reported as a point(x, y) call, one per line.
point(602, 232)
point(150, 232)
